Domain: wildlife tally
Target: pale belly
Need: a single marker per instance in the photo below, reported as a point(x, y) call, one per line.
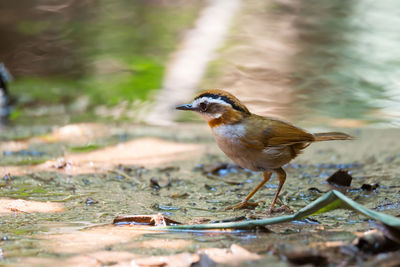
point(227, 139)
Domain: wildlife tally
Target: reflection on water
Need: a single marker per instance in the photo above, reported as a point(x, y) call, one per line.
point(349, 64)
point(110, 51)
point(84, 56)
point(315, 62)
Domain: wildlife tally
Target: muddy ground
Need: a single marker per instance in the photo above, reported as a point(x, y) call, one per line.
point(58, 197)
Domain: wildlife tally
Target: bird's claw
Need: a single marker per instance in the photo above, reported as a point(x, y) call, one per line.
point(243, 205)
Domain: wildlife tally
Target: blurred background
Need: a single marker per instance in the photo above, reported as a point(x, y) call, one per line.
point(329, 63)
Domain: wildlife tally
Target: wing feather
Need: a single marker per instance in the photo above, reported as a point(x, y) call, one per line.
point(268, 132)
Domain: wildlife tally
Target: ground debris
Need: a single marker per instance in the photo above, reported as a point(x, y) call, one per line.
point(179, 195)
point(340, 178)
point(158, 183)
point(90, 201)
point(369, 187)
point(62, 164)
point(219, 169)
point(209, 187)
point(317, 190)
point(122, 174)
point(374, 242)
point(302, 257)
point(389, 231)
point(150, 220)
point(211, 168)
point(7, 180)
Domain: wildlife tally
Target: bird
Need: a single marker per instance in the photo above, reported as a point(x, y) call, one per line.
point(258, 143)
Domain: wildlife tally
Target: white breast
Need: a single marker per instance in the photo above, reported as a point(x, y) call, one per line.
point(232, 131)
point(228, 140)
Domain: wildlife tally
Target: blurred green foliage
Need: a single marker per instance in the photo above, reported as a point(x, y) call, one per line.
point(113, 51)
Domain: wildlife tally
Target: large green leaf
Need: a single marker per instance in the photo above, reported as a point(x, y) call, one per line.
point(329, 201)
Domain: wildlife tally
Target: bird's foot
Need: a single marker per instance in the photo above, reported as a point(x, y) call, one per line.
point(283, 208)
point(243, 205)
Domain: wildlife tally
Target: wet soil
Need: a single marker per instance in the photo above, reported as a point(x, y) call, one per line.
point(180, 173)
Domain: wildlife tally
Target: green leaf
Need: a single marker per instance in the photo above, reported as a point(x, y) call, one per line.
point(329, 201)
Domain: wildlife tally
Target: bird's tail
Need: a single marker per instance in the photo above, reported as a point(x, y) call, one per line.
point(332, 136)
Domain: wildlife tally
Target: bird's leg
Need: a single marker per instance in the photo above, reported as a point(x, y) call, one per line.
point(245, 204)
point(282, 178)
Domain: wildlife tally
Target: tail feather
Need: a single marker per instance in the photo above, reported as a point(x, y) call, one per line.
point(332, 136)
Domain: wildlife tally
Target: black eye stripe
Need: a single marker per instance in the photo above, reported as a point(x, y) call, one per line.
point(224, 98)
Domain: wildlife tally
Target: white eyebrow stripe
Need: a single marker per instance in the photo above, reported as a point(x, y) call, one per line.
point(196, 102)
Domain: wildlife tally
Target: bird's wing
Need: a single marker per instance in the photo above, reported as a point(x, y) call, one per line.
point(271, 132)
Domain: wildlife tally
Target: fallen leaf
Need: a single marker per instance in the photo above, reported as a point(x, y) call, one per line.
point(151, 220)
point(374, 242)
point(390, 232)
point(340, 178)
point(369, 187)
point(314, 258)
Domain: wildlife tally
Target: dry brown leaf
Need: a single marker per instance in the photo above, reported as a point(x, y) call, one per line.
point(150, 220)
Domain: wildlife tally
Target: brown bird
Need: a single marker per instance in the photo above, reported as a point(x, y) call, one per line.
point(252, 141)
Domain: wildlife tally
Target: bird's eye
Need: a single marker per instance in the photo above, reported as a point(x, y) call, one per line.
point(203, 106)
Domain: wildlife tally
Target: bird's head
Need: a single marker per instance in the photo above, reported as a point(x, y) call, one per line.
point(217, 107)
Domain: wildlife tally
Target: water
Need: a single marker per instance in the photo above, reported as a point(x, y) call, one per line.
point(71, 58)
point(87, 60)
point(315, 63)
point(348, 67)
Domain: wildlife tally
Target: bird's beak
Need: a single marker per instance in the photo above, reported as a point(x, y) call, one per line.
point(185, 107)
